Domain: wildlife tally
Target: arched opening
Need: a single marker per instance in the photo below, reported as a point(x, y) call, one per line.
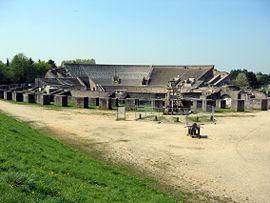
point(228, 100)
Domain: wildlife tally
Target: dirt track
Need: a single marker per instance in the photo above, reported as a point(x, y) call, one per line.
point(233, 162)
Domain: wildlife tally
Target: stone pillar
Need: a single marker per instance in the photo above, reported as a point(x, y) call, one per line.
point(207, 105)
point(157, 104)
point(93, 101)
point(29, 97)
point(80, 102)
point(60, 100)
point(8, 95)
point(43, 99)
point(1, 94)
point(17, 96)
point(131, 103)
point(238, 105)
point(115, 102)
point(220, 103)
point(105, 103)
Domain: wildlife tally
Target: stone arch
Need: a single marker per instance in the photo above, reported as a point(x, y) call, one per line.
point(228, 99)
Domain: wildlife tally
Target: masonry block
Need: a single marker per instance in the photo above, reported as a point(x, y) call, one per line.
point(8, 95)
point(220, 103)
point(17, 96)
point(238, 105)
point(43, 99)
point(80, 102)
point(115, 102)
point(131, 103)
point(29, 97)
point(105, 103)
point(157, 104)
point(93, 101)
point(60, 100)
point(207, 105)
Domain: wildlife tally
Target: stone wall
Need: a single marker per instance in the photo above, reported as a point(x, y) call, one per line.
point(90, 94)
point(8, 95)
point(157, 104)
point(29, 97)
point(261, 104)
point(93, 101)
point(61, 100)
point(207, 105)
point(115, 102)
point(220, 103)
point(131, 103)
point(43, 99)
point(17, 96)
point(80, 102)
point(105, 103)
point(238, 105)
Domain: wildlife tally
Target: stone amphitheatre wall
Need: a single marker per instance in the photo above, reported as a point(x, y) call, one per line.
point(83, 93)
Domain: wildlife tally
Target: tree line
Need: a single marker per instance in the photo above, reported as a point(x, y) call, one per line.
point(248, 79)
point(22, 69)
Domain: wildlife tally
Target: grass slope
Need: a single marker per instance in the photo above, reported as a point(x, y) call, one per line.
point(36, 168)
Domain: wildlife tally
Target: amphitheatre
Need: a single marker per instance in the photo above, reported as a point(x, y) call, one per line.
point(78, 104)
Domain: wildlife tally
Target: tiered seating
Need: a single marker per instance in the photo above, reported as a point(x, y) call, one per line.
point(103, 74)
point(162, 74)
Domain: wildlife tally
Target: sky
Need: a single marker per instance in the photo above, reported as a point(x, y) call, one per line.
point(229, 34)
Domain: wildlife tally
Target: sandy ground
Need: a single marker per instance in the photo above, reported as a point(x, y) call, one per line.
point(234, 162)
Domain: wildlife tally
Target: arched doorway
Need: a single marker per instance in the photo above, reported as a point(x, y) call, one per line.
point(228, 99)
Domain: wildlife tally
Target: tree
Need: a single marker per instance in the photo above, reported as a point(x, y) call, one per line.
point(22, 69)
point(52, 63)
point(252, 80)
point(41, 68)
point(241, 80)
point(262, 79)
point(79, 61)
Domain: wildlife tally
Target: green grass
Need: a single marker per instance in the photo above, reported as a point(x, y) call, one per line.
point(36, 168)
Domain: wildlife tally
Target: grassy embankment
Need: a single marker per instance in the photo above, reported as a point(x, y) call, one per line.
point(36, 168)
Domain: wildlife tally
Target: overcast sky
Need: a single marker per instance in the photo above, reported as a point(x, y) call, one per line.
point(228, 34)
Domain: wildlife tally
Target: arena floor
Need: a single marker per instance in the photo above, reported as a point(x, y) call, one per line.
point(234, 162)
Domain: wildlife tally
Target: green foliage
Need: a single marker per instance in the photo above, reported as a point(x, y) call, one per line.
point(79, 61)
point(23, 70)
point(255, 80)
point(241, 80)
point(36, 168)
point(41, 68)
